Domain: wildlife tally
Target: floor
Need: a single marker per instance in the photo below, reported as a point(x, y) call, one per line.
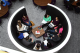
point(73, 46)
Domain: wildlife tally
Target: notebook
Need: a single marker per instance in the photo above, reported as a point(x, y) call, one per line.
point(25, 34)
point(44, 22)
point(51, 25)
point(25, 27)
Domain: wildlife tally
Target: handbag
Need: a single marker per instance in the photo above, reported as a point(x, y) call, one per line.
point(32, 23)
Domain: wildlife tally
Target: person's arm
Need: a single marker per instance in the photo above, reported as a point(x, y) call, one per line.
point(23, 20)
point(17, 27)
point(43, 18)
point(31, 38)
point(49, 18)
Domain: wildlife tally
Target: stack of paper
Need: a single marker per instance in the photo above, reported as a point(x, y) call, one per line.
point(44, 22)
point(25, 34)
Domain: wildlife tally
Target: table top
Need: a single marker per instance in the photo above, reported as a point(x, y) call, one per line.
point(42, 2)
point(3, 11)
point(36, 29)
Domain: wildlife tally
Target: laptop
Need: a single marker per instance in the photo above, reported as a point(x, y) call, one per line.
point(25, 27)
point(51, 25)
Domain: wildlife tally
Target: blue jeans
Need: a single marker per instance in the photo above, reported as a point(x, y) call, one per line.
point(51, 31)
point(50, 36)
point(29, 23)
point(26, 30)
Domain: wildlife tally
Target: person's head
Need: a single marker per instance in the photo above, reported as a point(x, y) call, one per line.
point(60, 25)
point(19, 22)
point(46, 15)
point(27, 38)
point(38, 46)
point(24, 16)
point(56, 18)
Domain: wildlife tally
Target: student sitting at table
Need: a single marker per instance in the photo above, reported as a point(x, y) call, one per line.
point(4, 3)
point(46, 19)
point(30, 39)
point(55, 22)
point(21, 27)
point(23, 35)
point(58, 29)
point(54, 37)
point(26, 20)
point(37, 46)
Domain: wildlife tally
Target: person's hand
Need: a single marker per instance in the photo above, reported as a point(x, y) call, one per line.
point(58, 35)
point(55, 30)
point(27, 22)
point(51, 37)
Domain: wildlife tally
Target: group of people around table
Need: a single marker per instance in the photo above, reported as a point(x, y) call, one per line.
point(71, 6)
point(53, 32)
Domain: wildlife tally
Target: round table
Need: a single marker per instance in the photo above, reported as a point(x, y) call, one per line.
point(42, 2)
point(3, 11)
point(36, 29)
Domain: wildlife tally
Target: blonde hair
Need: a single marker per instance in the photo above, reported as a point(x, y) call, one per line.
point(19, 23)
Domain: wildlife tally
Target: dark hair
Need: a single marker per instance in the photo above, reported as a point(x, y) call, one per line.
point(60, 25)
point(38, 45)
point(24, 14)
point(46, 15)
point(27, 38)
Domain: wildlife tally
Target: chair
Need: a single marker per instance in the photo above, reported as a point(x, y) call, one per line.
point(32, 23)
point(10, 3)
point(0, 20)
point(43, 7)
point(68, 5)
point(45, 35)
point(53, 2)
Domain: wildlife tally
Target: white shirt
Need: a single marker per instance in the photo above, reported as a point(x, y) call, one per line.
point(22, 28)
point(45, 42)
